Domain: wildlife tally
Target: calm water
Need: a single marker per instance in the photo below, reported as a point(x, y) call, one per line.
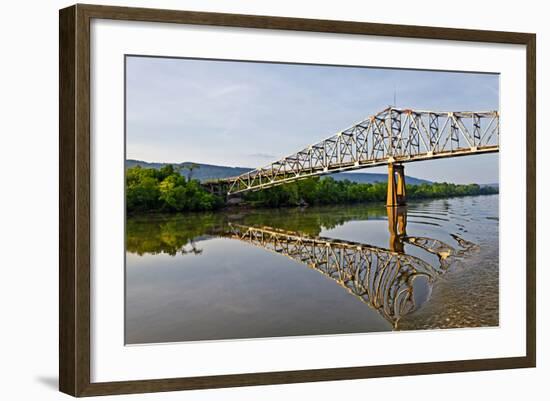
point(312, 271)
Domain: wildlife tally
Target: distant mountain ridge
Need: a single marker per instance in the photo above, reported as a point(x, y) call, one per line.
point(209, 171)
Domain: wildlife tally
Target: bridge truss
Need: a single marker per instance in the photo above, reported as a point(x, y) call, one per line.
point(391, 136)
point(381, 278)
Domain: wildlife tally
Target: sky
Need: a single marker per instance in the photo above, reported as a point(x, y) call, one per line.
point(248, 114)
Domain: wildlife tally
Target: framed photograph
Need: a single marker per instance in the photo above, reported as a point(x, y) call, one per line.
point(250, 200)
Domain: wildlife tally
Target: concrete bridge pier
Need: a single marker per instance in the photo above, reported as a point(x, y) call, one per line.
point(397, 195)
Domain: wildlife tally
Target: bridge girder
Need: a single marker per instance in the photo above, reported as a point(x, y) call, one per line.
point(393, 135)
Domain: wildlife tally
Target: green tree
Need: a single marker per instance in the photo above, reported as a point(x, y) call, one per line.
point(165, 190)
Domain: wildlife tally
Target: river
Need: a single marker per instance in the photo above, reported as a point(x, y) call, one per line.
point(312, 271)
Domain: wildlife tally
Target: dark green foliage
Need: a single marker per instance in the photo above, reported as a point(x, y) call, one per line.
point(165, 190)
point(446, 190)
point(326, 191)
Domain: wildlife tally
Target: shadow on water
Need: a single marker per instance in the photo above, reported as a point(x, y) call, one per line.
point(389, 280)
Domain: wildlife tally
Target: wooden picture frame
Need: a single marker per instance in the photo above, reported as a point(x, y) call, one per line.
point(74, 203)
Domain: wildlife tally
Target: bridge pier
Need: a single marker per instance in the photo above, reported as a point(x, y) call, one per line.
point(216, 188)
point(397, 225)
point(397, 195)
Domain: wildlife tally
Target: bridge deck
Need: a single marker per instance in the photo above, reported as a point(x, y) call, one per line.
point(391, 136)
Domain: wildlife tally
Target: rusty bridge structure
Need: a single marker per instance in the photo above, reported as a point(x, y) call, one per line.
point(392, 137)
point(379, 277)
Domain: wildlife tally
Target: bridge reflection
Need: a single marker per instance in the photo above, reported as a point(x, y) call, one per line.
point(384, 279)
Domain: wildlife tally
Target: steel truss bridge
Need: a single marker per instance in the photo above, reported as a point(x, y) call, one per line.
point(392, 136)
point(381, 278)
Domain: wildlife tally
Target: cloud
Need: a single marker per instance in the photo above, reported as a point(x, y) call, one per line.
point(249, 114)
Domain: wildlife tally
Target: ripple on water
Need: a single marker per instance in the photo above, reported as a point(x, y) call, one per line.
point(468, 294)
point(250, 291)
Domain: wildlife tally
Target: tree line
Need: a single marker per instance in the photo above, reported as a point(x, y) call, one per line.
point(167, 190)
point(326, 191)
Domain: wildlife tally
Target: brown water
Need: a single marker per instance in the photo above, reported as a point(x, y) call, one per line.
point(312, 271)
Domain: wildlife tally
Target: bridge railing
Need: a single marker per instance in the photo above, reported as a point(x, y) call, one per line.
point(392, 135)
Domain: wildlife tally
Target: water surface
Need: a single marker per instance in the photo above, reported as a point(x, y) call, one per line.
point(312, 271)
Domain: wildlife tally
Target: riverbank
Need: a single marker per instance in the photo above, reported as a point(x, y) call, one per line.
point(165, 190)
point(327, 191)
